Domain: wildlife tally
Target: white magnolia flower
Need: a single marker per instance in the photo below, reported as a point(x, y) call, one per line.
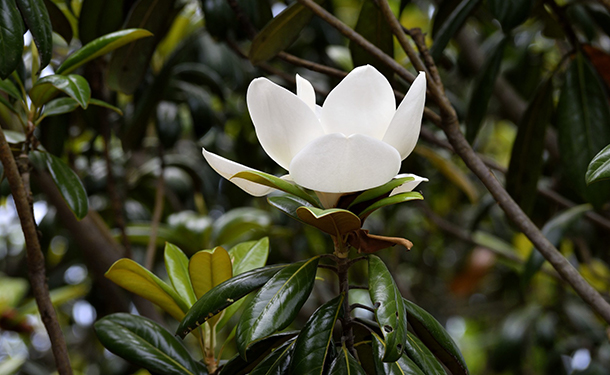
point(355, 141)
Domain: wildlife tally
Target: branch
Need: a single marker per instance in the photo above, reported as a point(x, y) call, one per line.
point(35, 258)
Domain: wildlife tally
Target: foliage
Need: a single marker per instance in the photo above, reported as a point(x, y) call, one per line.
point(106, 105)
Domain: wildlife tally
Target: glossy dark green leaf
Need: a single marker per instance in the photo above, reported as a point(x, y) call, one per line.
point(373, 26)
point(451, 26)
point(59, 22)
point(168, 124)
point(146, 344)
point(377, 192)
point(7, 104)
point(258, 353)
point(276, 304)
point(224, 295)
point(200, 74)
point(247, 256)
point(422, 356)
point(436, 338)
point(276, 183)
point(129, 63)
point(9, 87)
point(526, 157)
point(101, 46)
point(390, 310)
point(403, 366)
point(11, 38)
point(483, 90)
point(99, 17)
point(583, 127)
point(37, 19)
point(510, 13)
point(312, 348)
point(279, 33)
point(100, 103)
point(443, 11)
point(599, 168)
point(334, 221)
point(345, 364)
point(69, 185)
point(73, 85)
point(394, 199)
point(288, 204)
point(59, 106)
point(278, 362)
point(554, 230)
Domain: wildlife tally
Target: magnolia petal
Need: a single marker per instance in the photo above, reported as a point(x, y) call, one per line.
point(406, 123)
point(335, 163)
point(306, 92)
point(227, 169)
point(409, 185)
point(284, 123)
point(362, 103)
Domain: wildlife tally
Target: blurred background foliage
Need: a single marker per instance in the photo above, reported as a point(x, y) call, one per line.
point(529, 80)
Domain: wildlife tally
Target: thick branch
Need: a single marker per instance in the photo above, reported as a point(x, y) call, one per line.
point(35, 258)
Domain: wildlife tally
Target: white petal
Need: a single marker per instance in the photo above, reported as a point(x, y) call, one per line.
point(362, 103)
point(404, 128)
point(227, 169)
point(284, 123)
point(409, 185)
point(306, 92)
point(335, 163)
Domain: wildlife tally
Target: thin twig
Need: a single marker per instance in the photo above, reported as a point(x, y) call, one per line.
point(35, 258)
point(354, 306)
point(358, 287)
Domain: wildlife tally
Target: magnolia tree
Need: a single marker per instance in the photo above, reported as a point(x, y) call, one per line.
point(105, 106)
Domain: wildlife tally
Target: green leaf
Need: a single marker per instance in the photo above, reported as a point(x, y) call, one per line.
point(128, 64)
point(99, 17)
point(9, 87)
point(345, 364)
point(599, 168)
point(11, 38)
point(146, 344)
point(451, 26)
point(103, 104)
point(373, 26)
point(73, 85)
point(207, 269)
point(583, 127)
point(278, 362)
point(58, 107)
point(223, 295)
point(279, 33)
point(526, 157)
point(59, 22)
point(394, 199)
point(334, 221)
point(483, 90)
point(37, 19)
point(238, 223)
point(288, 204)
point(510, 13)
point(276, 304)
point(258, 352)
point(435, 338)
point(100, 47)
point(177, 266)
point(69, 185)
point(312, 348)
point(247, 256)
point(131, 276)
point(276, 183)
point(554, 230)
point(201, 75)
point(390, 312)
point(403, 366)
point(377, 192)
point(422, 356)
